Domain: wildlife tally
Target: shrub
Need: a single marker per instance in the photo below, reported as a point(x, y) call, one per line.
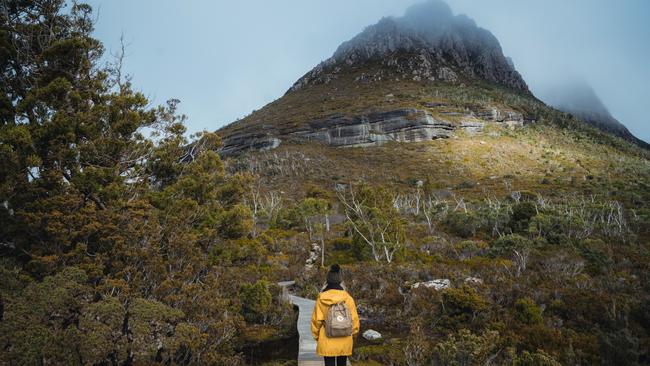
point(619, 348)
point(465, 348)
point(417, 350)
point(236, 222)
point(597, 261)
point(463, 224)
point(341, 243)
point(152, 325)
point(463, 303)
point(504, 245)
point(385, 354)
point(237, 252)
point(341, 251)
point(522, 212)
point(36, 323)
point(539, 358)
point(256, 300)
point(527, 311)
point(549, 225)
point(468, 248)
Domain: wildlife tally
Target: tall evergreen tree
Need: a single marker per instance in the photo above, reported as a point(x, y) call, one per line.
point(108, 228)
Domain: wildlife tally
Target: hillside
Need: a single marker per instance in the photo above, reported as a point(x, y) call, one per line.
point(474, 224)
point(403, 66)
point(539, 220)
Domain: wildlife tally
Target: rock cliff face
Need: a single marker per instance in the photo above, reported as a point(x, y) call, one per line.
point(427, 43)
point(257, 141)
point(373, 129)
point(403, 125)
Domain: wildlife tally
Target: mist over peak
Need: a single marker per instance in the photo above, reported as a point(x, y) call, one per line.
point(429, 43)
point(576, 96)
point(428, 16)
point(432, 18)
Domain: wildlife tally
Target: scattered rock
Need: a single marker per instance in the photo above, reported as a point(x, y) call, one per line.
point(474, 281)
point(447, 74)
point(314, 255)
point(437, 284)
point(340, 187)
point(371, 335)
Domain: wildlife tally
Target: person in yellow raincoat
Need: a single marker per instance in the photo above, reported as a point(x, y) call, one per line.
point(335, 350)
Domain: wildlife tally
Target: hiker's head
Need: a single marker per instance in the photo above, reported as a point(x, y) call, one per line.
point(334, 274)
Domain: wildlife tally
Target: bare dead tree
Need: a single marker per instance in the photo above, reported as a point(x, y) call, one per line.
point(520, 258)
point(433, 208)
point(378, 230)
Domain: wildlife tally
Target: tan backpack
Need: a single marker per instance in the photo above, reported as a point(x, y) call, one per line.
point(338, 322)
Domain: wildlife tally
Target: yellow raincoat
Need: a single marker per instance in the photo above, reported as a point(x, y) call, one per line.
point(340, 346)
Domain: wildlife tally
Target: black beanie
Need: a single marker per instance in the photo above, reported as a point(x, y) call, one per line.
point(334, 275)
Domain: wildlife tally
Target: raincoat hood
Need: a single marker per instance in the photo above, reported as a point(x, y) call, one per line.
point(331, 297)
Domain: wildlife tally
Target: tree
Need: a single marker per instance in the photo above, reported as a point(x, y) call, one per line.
point(434, 209)
point(516, 246)
point(374, 219)
point(256, 301)
point(69, 133)
point(527, 311)
point(314, 213)
point(112, 227)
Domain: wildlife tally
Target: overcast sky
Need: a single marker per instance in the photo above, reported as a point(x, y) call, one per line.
point(224, 59)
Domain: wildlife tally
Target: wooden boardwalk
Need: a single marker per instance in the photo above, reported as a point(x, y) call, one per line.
point(307, 345)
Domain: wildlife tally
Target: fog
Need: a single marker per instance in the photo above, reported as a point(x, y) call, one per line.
point(223, 59)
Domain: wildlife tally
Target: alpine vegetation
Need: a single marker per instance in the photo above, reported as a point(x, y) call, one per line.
point(411, 186)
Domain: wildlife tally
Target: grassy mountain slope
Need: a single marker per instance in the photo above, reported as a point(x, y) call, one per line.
point(561, 308)
point(556, 149)
point(542, 229)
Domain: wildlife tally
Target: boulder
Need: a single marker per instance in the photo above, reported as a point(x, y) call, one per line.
point(437, 284)
point(314, 254)
point(473, 281)
point(371, 335)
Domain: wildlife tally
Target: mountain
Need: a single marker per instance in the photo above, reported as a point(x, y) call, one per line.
point(427, 43)
point(372, 90)
point(435, 97)
point(431, 163)
point(579, 98)
point(471, 222)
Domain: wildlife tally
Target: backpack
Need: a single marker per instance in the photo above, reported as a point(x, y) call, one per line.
point(338, 322)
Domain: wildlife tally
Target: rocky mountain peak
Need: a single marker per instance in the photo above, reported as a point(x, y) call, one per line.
point(428, 42)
